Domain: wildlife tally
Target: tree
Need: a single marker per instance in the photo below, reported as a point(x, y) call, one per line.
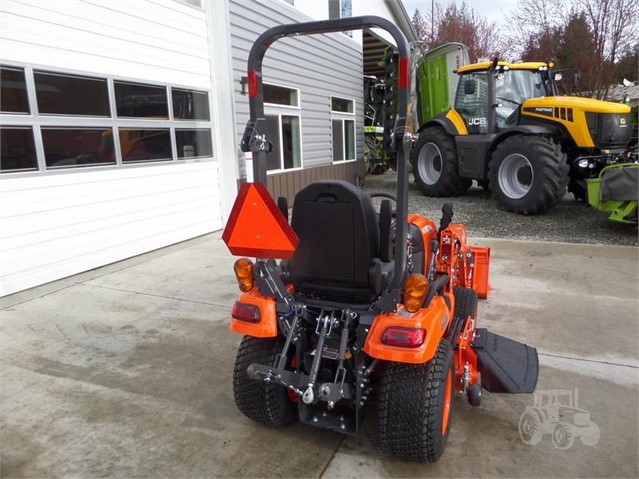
point(464, 25)
point(588, 39)
point(542, 45)
point(614, 27)
point(628, 64)
point(421, 27)
point(458, 24)
point(575, 54)
point(537, 22)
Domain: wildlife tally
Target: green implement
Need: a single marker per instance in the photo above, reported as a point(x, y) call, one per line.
point(616, 191)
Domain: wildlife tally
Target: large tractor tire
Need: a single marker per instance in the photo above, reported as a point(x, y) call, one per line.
point(264, 403)
point(528, 174)
point(374, 163)
point(435, 164)
point(414, 407)
point(465, 306)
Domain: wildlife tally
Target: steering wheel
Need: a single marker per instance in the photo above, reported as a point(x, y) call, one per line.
point(507, 99)
point(389, 196)
point(383, 195)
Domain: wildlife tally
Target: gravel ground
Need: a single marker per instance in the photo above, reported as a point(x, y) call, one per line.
point(568, 222)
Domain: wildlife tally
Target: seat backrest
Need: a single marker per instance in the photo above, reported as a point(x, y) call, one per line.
point(339, 236)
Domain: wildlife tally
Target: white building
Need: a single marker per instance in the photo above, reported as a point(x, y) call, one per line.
point(120, 133)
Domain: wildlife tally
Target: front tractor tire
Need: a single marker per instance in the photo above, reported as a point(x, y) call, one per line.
point(465, 307)
point(528, 174)
point(414, 407)
point(262, 402)
point(435, 164)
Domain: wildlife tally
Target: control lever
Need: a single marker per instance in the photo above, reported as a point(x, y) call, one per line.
point(447, 217)
point(434, 249)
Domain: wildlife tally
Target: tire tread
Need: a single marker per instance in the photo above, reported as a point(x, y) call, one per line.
point(449, 183)
point(553, 169)
point(262, 402)
point(408, 414)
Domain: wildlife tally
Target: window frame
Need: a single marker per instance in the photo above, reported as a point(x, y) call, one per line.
point(189, 4)
point(279, 110)
point(23, 127)
point(343, 117)
point(279, 105)
point(36, 107)
point(24, 73)
point(38, 121)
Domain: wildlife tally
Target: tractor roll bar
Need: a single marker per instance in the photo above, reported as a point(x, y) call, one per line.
point(255, 141)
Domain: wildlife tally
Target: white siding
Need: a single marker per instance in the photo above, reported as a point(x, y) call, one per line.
point(58, 225)
point(139, 39)
point(55, 224)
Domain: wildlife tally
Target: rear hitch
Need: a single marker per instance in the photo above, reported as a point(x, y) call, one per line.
point(473, 393)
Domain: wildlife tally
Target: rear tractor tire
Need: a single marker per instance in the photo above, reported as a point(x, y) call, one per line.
point(435, 164)
point(260, 401)
point(528, 174)
point(414, 407)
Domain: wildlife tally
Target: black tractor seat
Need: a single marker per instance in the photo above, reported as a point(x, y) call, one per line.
point(338, 256)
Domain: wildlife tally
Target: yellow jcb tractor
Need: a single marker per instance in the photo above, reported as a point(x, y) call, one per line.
point(511, 131)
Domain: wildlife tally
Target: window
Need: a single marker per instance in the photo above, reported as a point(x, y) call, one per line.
point(17, 149)
point(193, 143)
point(67, 147)
point(190, 104)
point(512, 88)
point(13, 97)
point(278, 95)
point(471, 101)
point(334, 9)
point(283, 128)
point(283, 131)
point(343, 129)
point(340, 9)
point(149, 144)
point(72, 123)
point(141, 101)
point(342, 106)
point(59, 94)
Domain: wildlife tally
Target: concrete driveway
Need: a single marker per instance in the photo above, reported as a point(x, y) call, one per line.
point(125, 371)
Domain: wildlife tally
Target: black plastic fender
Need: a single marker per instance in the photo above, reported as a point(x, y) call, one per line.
point(441, 121)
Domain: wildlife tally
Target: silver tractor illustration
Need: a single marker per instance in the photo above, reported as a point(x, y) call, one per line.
point(556, 412)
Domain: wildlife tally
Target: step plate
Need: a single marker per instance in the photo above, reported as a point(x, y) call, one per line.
point(506, 366)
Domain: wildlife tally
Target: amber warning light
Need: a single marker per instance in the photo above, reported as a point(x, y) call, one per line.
point(256, 227)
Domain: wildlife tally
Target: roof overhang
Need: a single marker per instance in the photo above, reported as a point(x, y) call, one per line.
point(401, 19)
point(375, 42)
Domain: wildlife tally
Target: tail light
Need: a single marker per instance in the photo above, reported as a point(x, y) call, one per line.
point(246, 312)
point(404, 337)
point(415, 291)
point(243, 268)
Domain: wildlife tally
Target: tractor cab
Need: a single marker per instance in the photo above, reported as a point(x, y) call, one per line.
point(512, 83)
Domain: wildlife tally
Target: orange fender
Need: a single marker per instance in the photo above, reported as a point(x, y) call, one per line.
point(266, 327)
point(433, 319)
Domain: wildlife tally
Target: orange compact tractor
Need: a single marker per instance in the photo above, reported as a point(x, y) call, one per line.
point(348, 305)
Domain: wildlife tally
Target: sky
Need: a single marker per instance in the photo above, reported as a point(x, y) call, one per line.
point(493, 10)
